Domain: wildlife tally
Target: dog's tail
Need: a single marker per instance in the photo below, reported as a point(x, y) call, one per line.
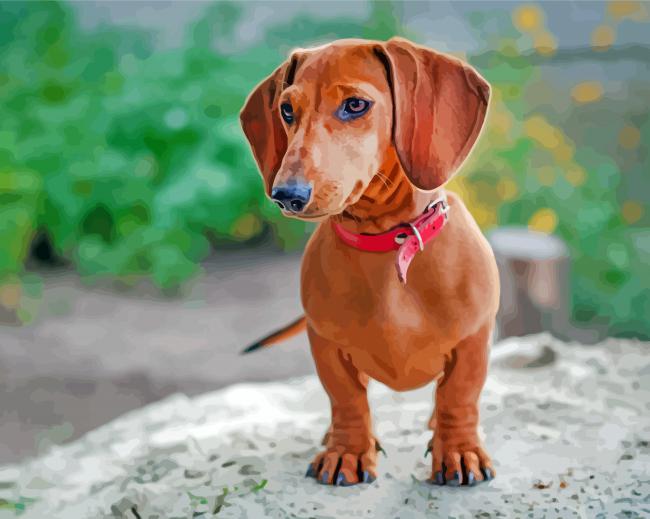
point(278, 336)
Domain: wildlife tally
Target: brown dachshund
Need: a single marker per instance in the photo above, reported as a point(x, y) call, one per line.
point(361, 136)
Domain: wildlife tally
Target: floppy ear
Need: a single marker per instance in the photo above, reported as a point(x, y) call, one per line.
point(260, 120)
point(439, 105)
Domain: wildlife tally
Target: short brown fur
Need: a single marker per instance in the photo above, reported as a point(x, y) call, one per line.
point(370, 175)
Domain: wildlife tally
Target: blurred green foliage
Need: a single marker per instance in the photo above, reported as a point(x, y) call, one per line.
point(131, 160)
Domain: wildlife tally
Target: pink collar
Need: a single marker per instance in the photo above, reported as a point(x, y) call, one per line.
point(407, 238)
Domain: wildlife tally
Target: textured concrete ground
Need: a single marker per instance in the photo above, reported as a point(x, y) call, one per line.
point(94, 354)
point(566, 424)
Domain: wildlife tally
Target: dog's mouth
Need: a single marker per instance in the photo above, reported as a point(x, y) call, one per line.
point(319, 216)
point(315, 216)
point(319, 207)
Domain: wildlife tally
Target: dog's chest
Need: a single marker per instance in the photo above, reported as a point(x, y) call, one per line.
point(350, 309)
point(358, 301)
point(386, 331)
point(397, 334)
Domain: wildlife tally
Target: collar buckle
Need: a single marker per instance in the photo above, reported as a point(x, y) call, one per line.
point(444, 206)
point(444, 209)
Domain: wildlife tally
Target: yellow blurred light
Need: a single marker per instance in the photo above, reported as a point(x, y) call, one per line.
point(501, 121)
point(576, 176)
point(246, 226)
point(546, 176)
point(545, 43)
point(507, 189)
point(484, 216)
point(496, 96)
point(10, 295)
point(458, 184)
point(539, 129)
point(629, 137)
point(619, 9)
point(528, 18)
point(587, 92)
point(544, 220)
point(603, 37)
point(563, 152)
point(632, 211)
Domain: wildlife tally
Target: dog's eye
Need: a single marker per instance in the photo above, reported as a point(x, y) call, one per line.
point(353, 108)
point(287, 112)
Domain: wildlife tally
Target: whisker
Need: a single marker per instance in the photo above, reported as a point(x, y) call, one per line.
point(387, 181)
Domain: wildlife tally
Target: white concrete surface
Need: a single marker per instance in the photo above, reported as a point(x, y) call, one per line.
point(566, 424)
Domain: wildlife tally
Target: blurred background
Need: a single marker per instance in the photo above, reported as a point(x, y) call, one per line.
point(138, 253)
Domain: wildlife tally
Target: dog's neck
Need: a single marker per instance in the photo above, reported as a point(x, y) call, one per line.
point(389, 199)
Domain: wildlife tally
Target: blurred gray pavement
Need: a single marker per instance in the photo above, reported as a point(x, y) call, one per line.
point(95, 353)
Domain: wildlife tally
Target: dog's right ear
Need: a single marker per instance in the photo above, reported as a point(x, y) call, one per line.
point(260, 119)
point(439, 107)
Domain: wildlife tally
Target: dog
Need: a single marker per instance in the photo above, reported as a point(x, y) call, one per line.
point(398, 284)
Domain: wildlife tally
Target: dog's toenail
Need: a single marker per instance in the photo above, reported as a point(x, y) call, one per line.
point(439, 479)
point(341, 480)
point(426, 453)
point(325, 477)
point(488, 474)
point(471, 479)
point(367, 477)
point(311, 473)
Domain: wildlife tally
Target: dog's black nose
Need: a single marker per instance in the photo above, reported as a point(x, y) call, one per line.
point(292, 197)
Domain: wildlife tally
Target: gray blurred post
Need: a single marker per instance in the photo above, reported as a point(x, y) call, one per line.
point(534, 273)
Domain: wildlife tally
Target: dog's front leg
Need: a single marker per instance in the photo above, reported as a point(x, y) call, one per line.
point(458, 455)
point(350, 451)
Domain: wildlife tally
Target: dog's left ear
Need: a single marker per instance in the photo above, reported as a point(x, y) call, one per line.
point(260, 120)
point(439, 105)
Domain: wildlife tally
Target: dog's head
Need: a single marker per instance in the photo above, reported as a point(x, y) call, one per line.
point(322, 123)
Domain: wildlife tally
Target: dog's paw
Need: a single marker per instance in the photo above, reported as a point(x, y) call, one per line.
point(342, 467)
point(459, 463)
